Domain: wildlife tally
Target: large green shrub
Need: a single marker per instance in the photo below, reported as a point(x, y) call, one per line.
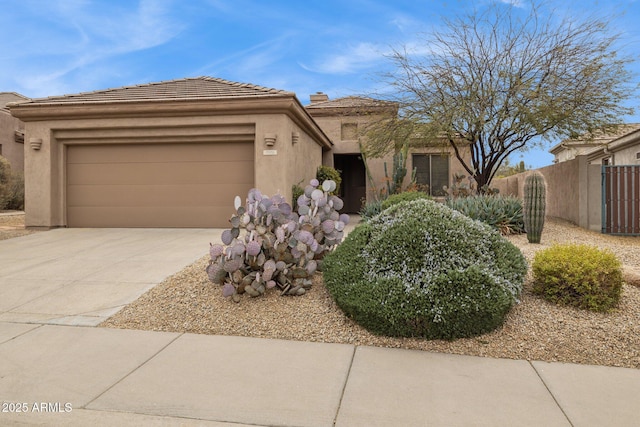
point(422, 269)
point(500, 212)
point(581, 276)
point(405, 196)
point(371, 209)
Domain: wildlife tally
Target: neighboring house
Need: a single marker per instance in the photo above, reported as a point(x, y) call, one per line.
point(11, 132)
point(621, 147)
point(168, 154)
point(344, 120)
point(623, 150)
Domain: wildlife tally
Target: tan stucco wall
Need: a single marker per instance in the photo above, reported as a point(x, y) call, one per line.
point(11, 150)
point(45, 168)
point(332, 127)
point(574, 191)
point(627, 156)
point(304, 160)
point(287, 162)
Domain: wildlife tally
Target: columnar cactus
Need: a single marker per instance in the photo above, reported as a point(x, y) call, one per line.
point(394, 183)
point(534, 206)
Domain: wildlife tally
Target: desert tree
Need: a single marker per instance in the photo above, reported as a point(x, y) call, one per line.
point(503, 80)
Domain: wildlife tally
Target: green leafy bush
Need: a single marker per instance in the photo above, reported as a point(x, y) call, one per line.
point(296, 192)
point(11, 187)
point(581, 276)
point(422, 269)
point(327, 173)
point(405, 196)
point(15, 201)
point(500, 212)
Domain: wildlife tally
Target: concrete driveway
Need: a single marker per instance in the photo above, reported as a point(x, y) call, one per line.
point(82, 276)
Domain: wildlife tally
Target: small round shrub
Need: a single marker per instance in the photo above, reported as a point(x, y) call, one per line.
point(422, 269)
point(580, 276)
point(325, 173)
point(405, 196)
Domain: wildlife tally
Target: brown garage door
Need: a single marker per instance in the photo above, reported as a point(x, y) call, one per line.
point(156, 185)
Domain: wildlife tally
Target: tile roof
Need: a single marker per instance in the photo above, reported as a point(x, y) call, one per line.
point(597, 139)
point(349, 102)
point(7, 97)
point(605, 137)
point(182, 89)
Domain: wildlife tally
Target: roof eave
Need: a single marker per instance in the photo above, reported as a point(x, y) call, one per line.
point(142, 108)
point(625, 141)
point(284, 103)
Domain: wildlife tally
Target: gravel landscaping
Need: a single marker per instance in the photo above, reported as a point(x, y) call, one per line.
point(534, 330)
point(12, 225)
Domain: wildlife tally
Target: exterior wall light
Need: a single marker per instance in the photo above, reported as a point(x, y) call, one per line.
point(36, 143)
point(295, 137)
point(270, 139)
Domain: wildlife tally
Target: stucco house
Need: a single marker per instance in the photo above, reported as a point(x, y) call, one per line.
point(11, 132)
point(176, 153)
point(345, 120)
point(623, 150)
point(168, 154)
point(619, 147)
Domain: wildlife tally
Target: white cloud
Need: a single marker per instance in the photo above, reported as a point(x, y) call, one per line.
point(252, 59)
point(515, 3)
point(352, 59)
point(61, 39)
point(405, 23)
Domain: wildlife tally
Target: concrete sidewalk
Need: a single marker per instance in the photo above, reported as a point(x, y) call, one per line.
point(105, 377)
point(59, 370)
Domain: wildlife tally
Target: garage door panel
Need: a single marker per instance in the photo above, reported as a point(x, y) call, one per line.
point(156, 195)
point(125, 217)
point(156, 185)
point(160, 173)
point(143, 153)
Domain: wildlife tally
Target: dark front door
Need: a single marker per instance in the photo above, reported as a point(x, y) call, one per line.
point(353, 189)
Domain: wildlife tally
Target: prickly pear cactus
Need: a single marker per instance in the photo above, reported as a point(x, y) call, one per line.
point(270, 246)
point(534, 206)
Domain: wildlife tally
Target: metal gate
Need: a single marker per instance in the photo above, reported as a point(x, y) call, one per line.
point(621, 200)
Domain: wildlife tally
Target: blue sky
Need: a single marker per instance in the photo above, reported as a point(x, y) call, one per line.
point(337, 47)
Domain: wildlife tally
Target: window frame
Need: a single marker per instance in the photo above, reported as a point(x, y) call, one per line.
point(430, 156)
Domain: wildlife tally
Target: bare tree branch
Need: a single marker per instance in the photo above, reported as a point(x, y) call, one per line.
point(502, 82)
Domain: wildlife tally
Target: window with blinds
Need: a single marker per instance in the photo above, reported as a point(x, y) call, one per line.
point(432, 170)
